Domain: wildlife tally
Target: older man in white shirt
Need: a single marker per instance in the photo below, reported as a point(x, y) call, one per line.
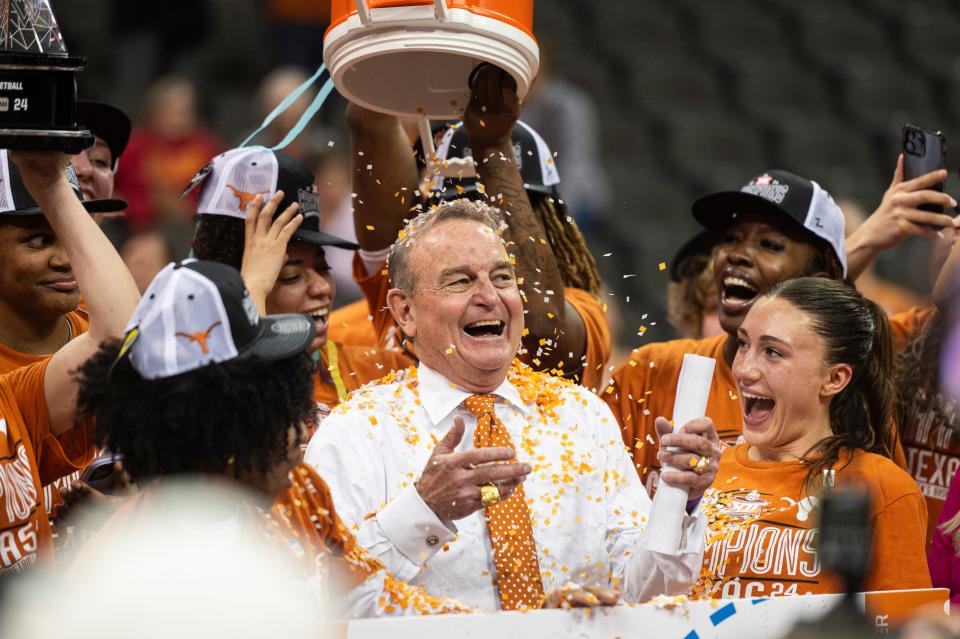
point(479, 478)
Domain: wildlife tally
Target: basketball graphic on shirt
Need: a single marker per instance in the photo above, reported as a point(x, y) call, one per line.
point(16, 486)
point(748, 505)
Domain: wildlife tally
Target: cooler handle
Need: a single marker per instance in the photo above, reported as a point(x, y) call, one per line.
point(363, 11)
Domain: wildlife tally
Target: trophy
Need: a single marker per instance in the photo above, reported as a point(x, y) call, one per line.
point(38, 87)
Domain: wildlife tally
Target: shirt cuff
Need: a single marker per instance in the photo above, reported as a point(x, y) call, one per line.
point(413, 528)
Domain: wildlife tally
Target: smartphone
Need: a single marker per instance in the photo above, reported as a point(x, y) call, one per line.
point(100, 474)
point(923, 151)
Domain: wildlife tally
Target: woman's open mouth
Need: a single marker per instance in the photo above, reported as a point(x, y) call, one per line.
point(485, 328)
point(756, 408)
point(737, 292)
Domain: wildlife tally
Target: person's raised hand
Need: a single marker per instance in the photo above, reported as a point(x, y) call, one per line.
point(40, 170)
point(494, 107)
point(265, 245)
point(679, 453)
point(450, 482)
point(572, 595)
point(899, 215)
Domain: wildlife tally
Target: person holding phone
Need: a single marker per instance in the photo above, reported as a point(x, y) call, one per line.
point(776, 227)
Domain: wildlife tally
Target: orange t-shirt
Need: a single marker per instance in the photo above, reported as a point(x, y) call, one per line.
point(645, 387)
point(932, 449)
point(596, 352)
point(351, 325)
point(11, 360)
point(762, 534)
point(351, 368)
point(31, 457)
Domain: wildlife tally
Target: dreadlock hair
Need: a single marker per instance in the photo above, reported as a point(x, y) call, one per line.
point(577, 266)
point(219, 238)
point(856, 332)
point(238, 411)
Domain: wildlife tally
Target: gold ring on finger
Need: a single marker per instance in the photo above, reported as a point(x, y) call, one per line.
point(701, 465)
point(489, 495)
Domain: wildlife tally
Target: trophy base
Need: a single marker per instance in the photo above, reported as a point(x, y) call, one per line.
point(71, 141)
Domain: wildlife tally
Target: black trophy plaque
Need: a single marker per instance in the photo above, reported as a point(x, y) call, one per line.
point(38, 81)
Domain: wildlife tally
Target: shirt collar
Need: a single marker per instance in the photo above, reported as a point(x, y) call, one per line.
point(440, 396)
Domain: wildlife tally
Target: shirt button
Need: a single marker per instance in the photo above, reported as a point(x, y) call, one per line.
point(433, 540)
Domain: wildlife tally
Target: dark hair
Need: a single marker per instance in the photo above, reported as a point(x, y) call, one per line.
point(825, 259)
point(198, 421)
point(219, 238)
point(691, 297)
point(855, 332)
point(917, 375)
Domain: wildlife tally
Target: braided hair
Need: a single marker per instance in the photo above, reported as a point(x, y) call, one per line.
point(577, 266)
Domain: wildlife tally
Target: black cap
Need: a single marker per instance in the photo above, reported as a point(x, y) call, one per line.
point(106, 122)
point(299, 186)
point(538, 170)
point(197, 313)
point(778, 195)
point(17, 200)
point(230, 180)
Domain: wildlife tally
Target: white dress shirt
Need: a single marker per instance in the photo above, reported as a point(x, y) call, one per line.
point(587, 505)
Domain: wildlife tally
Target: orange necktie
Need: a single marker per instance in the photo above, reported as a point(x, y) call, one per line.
point(508, 523)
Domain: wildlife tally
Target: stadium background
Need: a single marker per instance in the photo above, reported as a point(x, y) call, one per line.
point(684, 97)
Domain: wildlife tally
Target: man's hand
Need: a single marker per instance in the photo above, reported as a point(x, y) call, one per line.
point(493, 110)
point(571, 595)
point(697, 438)
point(450, 483)
point(265, 245)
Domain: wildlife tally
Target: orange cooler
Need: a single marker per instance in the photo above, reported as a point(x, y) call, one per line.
point(413, 57)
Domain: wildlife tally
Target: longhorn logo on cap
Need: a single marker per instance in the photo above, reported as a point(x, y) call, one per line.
point(201, 337)
point(243, 197)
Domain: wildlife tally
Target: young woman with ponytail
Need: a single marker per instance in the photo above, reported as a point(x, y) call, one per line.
point(813, 371)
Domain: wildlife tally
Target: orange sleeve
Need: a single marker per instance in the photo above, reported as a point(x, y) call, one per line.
point(626, 398)
point(899, 545)
point(308, 506)
point(349, 325)
point(57, 455)
point(597, 347)
point(375, 288)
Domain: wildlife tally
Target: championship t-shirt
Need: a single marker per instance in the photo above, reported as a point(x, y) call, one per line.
point(11, 360)
point(31, 457)
point(762, 528)
point(931, 447)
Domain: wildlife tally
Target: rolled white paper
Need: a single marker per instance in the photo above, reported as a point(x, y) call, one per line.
point(664, 531)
